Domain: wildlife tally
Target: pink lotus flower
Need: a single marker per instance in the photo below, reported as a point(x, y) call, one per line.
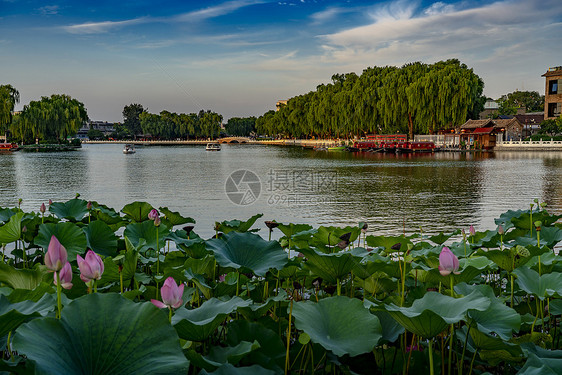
point(42, 209)
point(171, 295)
point(65, 275)
point(157, 221)
point(91, 268)
point(153, 214)
point(56, 256)
point(89, 205)
point(448, 262)
point(472, 230)
point(501, 231)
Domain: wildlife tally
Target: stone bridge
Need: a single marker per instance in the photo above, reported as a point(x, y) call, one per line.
point(234, 140)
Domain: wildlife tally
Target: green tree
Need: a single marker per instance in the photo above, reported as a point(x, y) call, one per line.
point(131, 118)
point(551, 127)
point(52, 118)
point(95, 134)
point(238, 126)
point(9, 97)
point(532, 101)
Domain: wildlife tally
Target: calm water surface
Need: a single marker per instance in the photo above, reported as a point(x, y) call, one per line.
point(438, 192)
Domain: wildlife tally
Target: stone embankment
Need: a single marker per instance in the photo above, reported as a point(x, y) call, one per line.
point(529, 146)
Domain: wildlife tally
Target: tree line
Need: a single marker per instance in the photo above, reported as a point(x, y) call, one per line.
point(415, 98)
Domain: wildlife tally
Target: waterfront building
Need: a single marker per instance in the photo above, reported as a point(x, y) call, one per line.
point(103, 126)
point(484, 133)
point(553, 93)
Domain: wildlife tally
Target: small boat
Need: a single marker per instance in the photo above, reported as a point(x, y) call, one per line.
point(129, 149)
point(4, 146)
point(213, 147)
point(337, 148)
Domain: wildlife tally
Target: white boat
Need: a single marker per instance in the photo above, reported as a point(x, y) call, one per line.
point(129, 149)
point(213, 147)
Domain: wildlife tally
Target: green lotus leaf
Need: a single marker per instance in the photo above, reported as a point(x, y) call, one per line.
point(541, 361)
point(146, 231)
point(194, 246)
point(238, 225)
point(247, 251)
point(229, 369)
point(332, 323)
point(232, 354)
point(137, 211)
point(23, 278)
point(7, 213)
point(175, 218)
point(103, 334)
point(200, 323)
point(550, 236)
point(20, 295)
point(430, 315)
point(270, 355)
point(330, 236)
point(69, 235)
point(291, 229)
point(14, 314)
point(483, 341)
point(11, 231)
point(441, 238)
point(497, 318)
point(330, 267)
point(73, 210)
point(257, 310)
point(540, 286)
point(101, 239)
point(387, 242)
point(556, 307)
point(391, 329)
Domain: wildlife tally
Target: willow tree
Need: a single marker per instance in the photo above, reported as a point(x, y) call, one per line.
point(9, 97)
point(54, 118)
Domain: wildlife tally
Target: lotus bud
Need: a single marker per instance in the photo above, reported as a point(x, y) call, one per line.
point(157, 221)
point(153, 214)
point(50, 202)
point(448, 262)
point(188, 229)
point(538, 225)
point(77, 195)
point(463, 234)
point(472, 230)
point(56, 256)
point(65, 275)
point(222, 278)
point(24, 229)
point(364, 228)
point(42, 209)
point(500, 230)
point(171, 295)
point(89, 205)
point(91, 267)
point(19, 202)
point(271, 224)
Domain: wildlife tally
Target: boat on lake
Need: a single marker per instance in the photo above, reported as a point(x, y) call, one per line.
point(407, 147)
point(337, 148)
point(213, 147)
point(129, 149)
point(4, 146)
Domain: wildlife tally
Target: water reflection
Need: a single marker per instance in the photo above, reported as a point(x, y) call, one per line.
point(392, 193)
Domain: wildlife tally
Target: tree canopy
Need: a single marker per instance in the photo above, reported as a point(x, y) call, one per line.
point(241, 127)
point(170, 125)
point(51, 118)
point(9, 97)
point(416, 98)
point(532, 101)
point(131, 117)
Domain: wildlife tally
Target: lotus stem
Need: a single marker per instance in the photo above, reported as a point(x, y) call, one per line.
point(339, 286)
point(157, 260)
point(8, 346)
point(95, 286)
point(59, 291)
point(288, 339)
point(237, 282)
point(472, 362)
point(512, 290)
point(461, 362)
point(431, 371)
point(531, 222)
point(451, 337)
point(170, 315)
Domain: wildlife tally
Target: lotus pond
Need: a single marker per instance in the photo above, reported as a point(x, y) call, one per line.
point(88, 289)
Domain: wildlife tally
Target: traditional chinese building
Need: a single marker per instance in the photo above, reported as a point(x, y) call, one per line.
point(484, 133)
point(553, 93)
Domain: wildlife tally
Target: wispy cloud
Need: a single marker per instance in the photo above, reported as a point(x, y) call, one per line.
point(215, 11)
point(49, 10)
point(103, 27)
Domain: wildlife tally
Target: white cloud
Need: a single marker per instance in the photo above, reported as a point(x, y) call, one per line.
point(102, 27)
point(215, 11)
point(49, 10)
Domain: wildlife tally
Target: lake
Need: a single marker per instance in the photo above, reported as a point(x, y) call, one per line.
point(392, 193)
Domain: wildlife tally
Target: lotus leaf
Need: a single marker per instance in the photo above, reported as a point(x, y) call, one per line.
point(74, 210)
point(11, 231)
point(7, 213)
point(146, 231)
point(330, 267)
point(256, 310)
point(430, 315)
point(199, 323)
point(541, 361)
point(330, 236)
point(23, 278)
point(101, 239)
point(137, 211)
point(487, 321)
point(14, 314)
point(238, 225)
point(175, 218)
point(103, 334)
point(540, 286)
point(69, 235)
point(229, 369)
point(388, 242)
point(291, 229)
point(324, 323)
point(247, 251)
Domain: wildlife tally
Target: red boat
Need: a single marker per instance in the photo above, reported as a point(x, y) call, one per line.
point(8, 146)
point(415, 147)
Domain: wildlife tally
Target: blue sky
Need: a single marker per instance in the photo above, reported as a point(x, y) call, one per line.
point(239, 57)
